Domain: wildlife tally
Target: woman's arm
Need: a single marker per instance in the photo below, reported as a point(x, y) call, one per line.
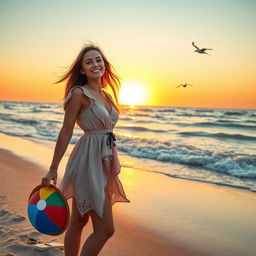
point(72, 110)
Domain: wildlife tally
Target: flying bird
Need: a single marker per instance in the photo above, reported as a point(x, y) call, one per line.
point(184, 85)
point(202, 51)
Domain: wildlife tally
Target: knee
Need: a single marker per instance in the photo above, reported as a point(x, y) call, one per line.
point(109, 232)
point(80, 222)
point(106, 233)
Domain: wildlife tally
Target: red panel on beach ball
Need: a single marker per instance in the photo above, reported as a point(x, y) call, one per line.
point(35, 198)
point(48, 210)
point(57, 214)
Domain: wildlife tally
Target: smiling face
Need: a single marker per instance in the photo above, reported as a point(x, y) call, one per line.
point(93, 65)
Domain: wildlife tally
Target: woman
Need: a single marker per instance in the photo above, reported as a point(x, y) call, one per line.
point(91, 176)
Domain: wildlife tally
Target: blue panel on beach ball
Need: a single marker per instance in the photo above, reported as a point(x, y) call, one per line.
point(45, 225)
point(32, 213)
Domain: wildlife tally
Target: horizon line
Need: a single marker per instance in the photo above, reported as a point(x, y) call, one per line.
point(132, 106)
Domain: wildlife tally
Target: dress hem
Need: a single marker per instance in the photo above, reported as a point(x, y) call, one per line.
point(82, 215)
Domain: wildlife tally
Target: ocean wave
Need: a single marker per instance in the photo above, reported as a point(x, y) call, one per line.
point(215, 182)
point(144, 121)
point(45, 106)
point(195, 115)
point(147, 118)
point(127, 119)
point(36, 110)
point(145, 109)
point(25, 134)
point(250, 121)
point(136, 114)
point(161, 117)
point(167, 110)
point(140, 128)
point(235, 113)
point(136, 120)
point(219, 135)
point(45, 111)
point(11, 118)
point(8, 106)
point(219, 124)
point(204, 110)
point(42, 108)
point(230, 163)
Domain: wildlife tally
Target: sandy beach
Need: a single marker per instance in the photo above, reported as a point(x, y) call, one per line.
point(165, 217)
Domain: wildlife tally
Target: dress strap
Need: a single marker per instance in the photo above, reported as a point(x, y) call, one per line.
point(85, 92)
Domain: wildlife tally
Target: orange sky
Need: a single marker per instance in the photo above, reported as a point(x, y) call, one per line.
point(148, 44)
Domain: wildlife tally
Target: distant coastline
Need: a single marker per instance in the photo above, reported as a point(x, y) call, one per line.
point(139, 106)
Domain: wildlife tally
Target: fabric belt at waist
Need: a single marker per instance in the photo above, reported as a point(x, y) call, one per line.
point(98, 131)
point(110, 135)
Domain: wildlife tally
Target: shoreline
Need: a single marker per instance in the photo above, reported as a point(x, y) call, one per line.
point(45, 149)
point(166, 216)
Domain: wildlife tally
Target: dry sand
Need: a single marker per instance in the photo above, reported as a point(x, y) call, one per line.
point(18, 177)
point(166, 216)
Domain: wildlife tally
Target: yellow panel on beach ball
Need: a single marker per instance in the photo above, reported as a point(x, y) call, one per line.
point(46, 192)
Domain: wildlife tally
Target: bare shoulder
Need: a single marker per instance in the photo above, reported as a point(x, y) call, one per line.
point(78, 99)
point(77, 92)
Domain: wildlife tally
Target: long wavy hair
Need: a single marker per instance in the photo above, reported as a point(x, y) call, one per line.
point(74, 77)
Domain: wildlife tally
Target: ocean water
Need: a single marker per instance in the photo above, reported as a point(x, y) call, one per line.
point(207, 145)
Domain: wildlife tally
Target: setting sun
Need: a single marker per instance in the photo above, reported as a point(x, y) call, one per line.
point(132, 93)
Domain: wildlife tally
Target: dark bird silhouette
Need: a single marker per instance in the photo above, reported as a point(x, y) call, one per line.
point(202, 51)
point(184, 85)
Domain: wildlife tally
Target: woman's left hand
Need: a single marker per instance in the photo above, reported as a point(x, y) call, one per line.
point(52, 175)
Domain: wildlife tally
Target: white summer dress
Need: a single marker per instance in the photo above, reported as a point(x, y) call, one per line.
point(93, 163)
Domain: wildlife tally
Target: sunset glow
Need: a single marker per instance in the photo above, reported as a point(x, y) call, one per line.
point(150, 51)
point(132, 93)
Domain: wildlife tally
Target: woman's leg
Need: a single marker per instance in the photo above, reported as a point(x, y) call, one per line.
point(103, 229)
point(73, 233)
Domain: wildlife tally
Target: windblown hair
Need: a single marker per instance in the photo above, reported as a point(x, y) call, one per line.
point(74, 77)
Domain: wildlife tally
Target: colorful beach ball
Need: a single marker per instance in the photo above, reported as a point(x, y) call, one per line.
point(48, 210)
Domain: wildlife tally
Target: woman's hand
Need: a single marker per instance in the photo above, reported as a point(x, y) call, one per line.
point(51, 175)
